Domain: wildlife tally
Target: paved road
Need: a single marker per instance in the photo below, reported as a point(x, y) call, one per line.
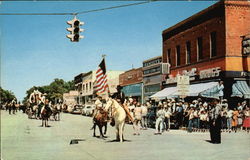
point(24, 139)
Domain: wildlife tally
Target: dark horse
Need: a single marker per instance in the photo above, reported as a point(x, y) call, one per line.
point(100, 120)
point(56, 114)
point(45, 114)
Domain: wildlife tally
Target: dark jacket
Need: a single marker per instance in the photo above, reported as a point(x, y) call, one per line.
point(119, 95)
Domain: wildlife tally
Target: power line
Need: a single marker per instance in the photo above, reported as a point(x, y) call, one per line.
point(126, 5)
point(35, 14)
point(82, 12)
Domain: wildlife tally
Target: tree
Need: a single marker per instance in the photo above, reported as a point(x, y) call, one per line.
point(54, 91)
point(6, 96)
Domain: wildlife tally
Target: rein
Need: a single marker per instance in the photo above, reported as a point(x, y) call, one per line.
point(111, 110)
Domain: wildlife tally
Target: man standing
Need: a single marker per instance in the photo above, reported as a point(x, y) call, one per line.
point(144, 116)
point(160, 120)
point(220, 89)
point(138, 117)
point(179, 114)
point(215, 122)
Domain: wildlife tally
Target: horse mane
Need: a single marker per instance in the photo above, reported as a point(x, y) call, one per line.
point(116, 104)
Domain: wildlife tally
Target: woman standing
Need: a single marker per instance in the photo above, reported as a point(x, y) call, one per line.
point(235, 120)
point(190, 119)
point(246, 122)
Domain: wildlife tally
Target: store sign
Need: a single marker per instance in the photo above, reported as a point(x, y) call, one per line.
point(191, 74)
point(152, 80)
point(203, 74)
point(183, 84)
point(209, 73)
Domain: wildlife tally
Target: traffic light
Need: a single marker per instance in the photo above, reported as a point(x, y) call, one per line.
point(75, 30)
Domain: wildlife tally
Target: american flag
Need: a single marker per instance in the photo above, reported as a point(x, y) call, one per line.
point(101, 78)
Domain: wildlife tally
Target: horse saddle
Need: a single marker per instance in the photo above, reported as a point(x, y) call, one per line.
point(101, 111)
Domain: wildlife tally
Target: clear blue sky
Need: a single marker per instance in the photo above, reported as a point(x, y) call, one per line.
point(35, 50)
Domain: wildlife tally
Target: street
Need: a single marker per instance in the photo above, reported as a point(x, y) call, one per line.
point(25, 139)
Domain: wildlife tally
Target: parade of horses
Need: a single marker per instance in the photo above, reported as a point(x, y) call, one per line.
point(39, 108)
point(125, 80)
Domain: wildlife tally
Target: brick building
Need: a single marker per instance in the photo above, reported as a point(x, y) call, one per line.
point(208, 47)
point(131, 81)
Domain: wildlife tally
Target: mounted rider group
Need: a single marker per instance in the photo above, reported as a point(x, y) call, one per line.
point(37, 106)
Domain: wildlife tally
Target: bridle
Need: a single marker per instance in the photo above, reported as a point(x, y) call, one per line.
point(111, 107)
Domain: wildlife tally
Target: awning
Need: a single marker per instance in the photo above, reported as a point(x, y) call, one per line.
point(241, 89)
point(200, 89)
point(165, 93)
point(212, 92)
point(209, 90)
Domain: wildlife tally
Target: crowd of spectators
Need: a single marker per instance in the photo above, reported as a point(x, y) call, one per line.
point(193, 115)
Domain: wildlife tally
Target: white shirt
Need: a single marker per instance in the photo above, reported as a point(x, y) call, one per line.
point(230, 113)
point(161, 113)
point(220, 88)
point(144, 110)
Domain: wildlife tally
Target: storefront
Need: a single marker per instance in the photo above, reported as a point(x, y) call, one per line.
point(131, 81)
point(133, 91)
point(208, 48)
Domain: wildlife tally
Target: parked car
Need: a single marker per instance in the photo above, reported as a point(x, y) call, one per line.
point(70, 108)
point(88, 110)
point(77, 109)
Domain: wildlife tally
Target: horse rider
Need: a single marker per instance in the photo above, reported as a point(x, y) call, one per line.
point(14, 103)
point(98, 106)
point(33, 99)
point(46, 106)
point(120, 98)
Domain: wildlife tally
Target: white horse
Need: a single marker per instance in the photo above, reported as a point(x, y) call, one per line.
point(119, 115)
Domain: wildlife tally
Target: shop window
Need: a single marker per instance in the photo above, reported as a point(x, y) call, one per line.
point(188, 52)
point(213, 46)
point(178, 55)
point(152, 88)
point(200, 48)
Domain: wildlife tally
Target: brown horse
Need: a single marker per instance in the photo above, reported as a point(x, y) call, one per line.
point(45, 114)
point(100, 120)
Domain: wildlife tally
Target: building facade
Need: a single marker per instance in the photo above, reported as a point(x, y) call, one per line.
point(131, 81)
point(152, 76)
point(70, 98)
point(85, 82)
point(208, 46)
